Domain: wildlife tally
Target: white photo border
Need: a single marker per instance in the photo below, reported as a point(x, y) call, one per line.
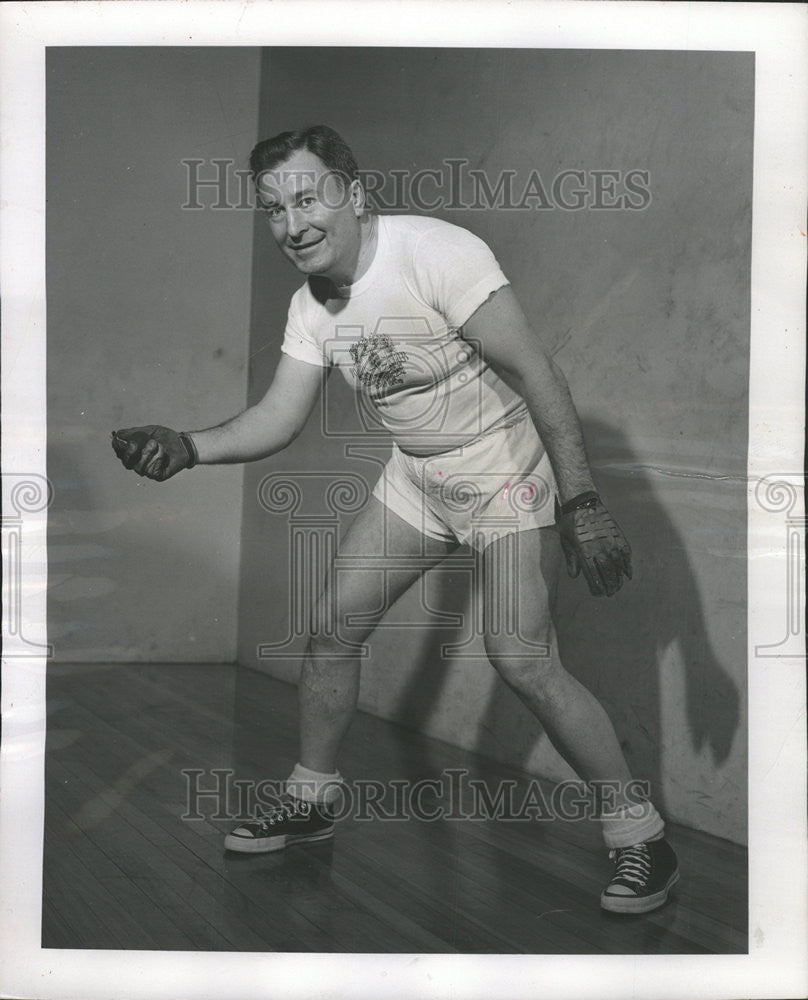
point(778, 907)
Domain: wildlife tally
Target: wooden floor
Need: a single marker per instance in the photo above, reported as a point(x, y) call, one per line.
point(124, 870)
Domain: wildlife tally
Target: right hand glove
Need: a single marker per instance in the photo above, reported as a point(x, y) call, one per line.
point(153, 451)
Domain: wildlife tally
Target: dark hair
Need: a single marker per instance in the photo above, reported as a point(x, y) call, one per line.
point(318, 139)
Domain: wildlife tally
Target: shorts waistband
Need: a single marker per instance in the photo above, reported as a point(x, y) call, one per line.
point(513, 420)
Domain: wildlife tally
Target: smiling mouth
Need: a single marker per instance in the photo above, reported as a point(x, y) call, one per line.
point(307, 246)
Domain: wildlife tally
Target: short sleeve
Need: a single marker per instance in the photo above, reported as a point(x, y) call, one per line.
point(456, 272)
point(298, 342)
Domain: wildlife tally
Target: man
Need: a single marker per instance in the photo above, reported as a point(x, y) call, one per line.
point(418, 316)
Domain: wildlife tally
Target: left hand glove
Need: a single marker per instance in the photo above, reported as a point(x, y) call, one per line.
point(593, 542)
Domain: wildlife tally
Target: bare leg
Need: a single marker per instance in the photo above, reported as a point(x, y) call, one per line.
point(573, 718)
point(329, 680)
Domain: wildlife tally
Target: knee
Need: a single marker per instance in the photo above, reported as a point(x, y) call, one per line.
point(524, 665)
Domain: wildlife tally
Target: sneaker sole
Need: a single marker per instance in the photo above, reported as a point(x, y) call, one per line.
point(263, 845)
point(642, 904)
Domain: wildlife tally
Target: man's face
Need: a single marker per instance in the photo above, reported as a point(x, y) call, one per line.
point(313, 216)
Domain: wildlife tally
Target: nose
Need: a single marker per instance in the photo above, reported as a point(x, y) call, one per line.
point(296, 224)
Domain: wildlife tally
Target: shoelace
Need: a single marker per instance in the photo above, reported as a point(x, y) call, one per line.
point(633, 863)
point(287, 810)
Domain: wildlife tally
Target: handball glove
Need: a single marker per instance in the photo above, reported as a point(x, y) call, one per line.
point(155, 452)
point(593, 542)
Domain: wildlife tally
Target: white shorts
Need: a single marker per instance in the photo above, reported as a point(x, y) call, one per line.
point(497, 485)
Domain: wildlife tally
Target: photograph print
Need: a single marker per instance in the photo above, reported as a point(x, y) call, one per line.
point(444, 651)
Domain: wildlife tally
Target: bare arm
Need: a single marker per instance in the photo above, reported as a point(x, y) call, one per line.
point(501, 331)
point(271, 424)
point(160, 452)
point(591, 539)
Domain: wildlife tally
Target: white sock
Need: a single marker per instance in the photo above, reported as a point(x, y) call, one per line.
point(313, 786)
point(632, 825)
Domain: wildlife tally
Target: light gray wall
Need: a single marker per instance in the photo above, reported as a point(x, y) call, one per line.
point(648, 314)
point(148, 317)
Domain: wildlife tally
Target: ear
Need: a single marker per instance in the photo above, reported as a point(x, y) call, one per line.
point(358, 198)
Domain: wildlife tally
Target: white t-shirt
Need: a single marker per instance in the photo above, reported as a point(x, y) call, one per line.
point(395, 334)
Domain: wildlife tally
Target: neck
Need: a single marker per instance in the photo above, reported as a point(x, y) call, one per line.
point(368, 239)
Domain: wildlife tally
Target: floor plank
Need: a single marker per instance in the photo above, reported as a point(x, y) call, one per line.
point(123, 868)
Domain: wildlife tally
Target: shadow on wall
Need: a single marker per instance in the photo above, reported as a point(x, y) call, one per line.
point(623, 649)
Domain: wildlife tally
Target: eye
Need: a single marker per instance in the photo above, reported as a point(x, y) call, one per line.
point(307, 202)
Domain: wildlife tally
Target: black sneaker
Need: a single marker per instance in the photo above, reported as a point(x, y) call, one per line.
point(644, 874)
point(293, 821)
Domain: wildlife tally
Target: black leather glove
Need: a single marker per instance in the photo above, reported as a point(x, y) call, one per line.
point(593, 542)
point(153, 451)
